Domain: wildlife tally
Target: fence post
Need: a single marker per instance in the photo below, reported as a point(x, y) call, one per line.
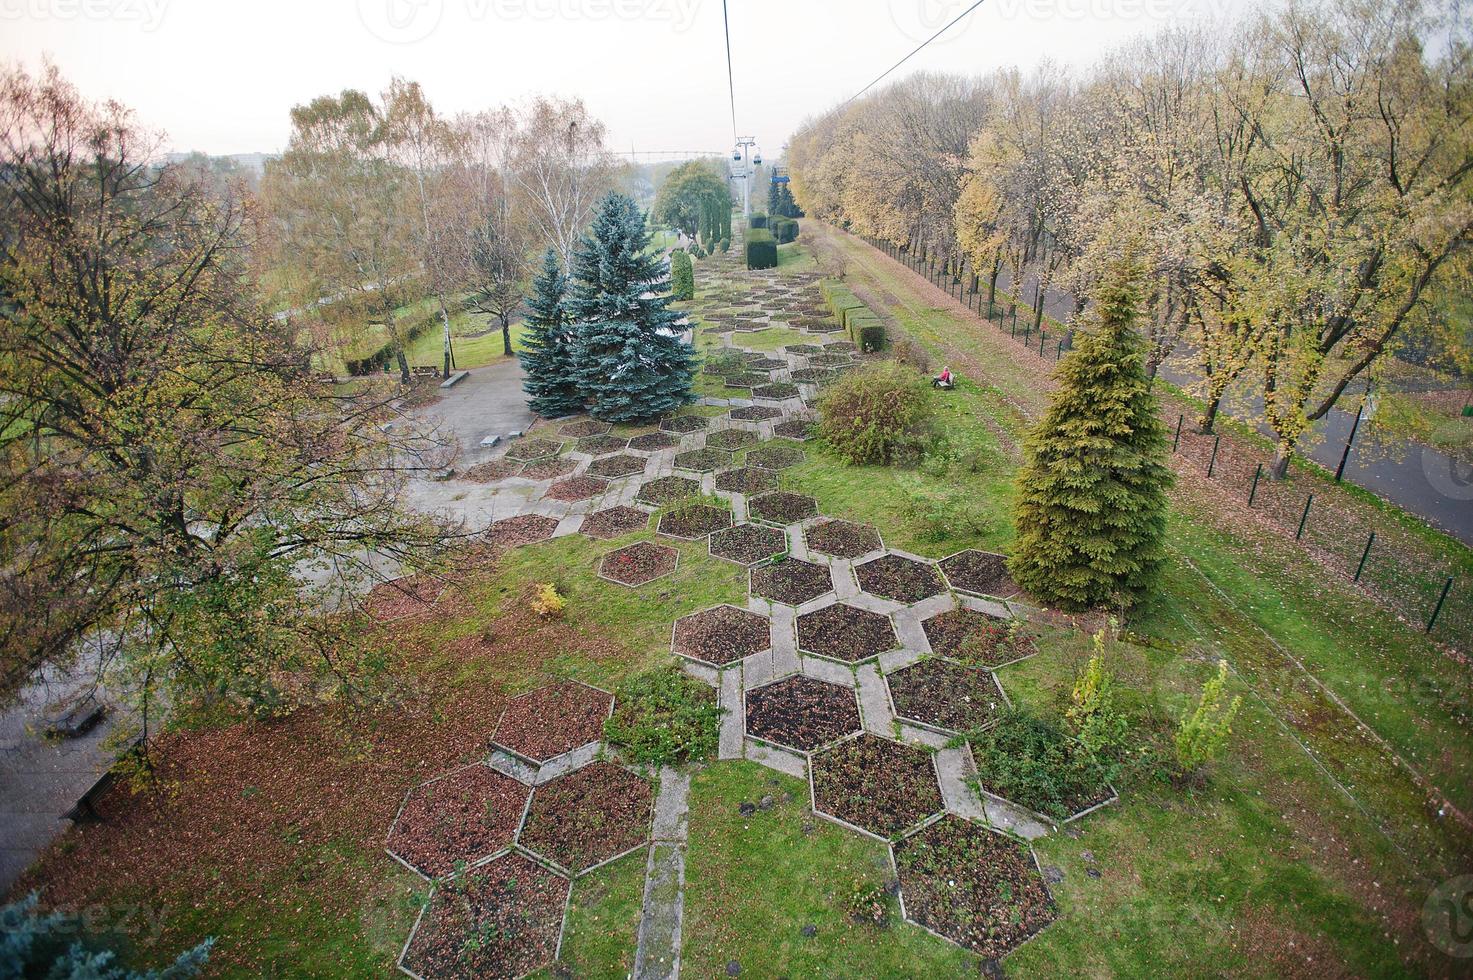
point(1303, 517)
point(1042, 336)
point(1176, 439)
point(1212, 463)
point(1059, 351)
point(1363, 556)
point(1446, 588)
point(1253, 491)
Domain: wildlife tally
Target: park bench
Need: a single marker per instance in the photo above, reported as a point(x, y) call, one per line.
point(424, 371)
point(85, 807)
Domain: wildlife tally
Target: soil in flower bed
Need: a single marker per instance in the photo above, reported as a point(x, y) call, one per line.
point(411, 595)
point(973, 885)
point(747, 479)
point(511, 907)
point(491, 471)
point(729, 439)
point(830, 360)
point(841, 347)
point(653, 441)
point(693, 521)
point(747, 544)
point(781, 507)
point(667, 489)
point(777, 391)
point(722, 635)
point(550, 468)
point(460, 818)
point(613, 522)
point(553, 719)
point(578, 488)
point(775, 457)
point(584, 427)
point(981, 572)
point(520, 530)
point(750, 379)
point(803, 349)
point(791, 582)
point(684, 423)
point(760, 363)
point(794, 429)
point(841, 539)
point(755, 413)
point(525, 449)
point(844, 632)
point(801, 712)
point(979, 639)
point(813, 375)
point(639, 563)
point(874, 783)
point(702, 460)
point(614, 467)
point(946, 695)
point(601, 445)
point(900, 579)
point(588, 816)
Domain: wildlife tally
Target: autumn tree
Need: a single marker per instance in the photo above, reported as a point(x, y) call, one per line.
point(561, 169)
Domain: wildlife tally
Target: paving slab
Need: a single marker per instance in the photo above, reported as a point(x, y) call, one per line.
point(733, 722)
point(874, 701)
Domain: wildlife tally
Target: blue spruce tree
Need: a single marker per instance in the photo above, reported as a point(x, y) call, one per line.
point(547, 342)
point(629, 359)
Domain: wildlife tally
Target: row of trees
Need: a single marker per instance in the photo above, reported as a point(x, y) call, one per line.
point(1301, 191)
point(377, 204)
point(696, 199)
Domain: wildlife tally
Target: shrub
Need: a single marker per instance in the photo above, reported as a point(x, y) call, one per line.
point(682, 276)
point(757, 221)
point(1203, 732)
point(548, 602)
point(725, 245)
point(877, 413)
point(784, 229)
point(761, 250)
point(59, 945)
point(664, 717)
point(1096, 723)
point(1036, 764)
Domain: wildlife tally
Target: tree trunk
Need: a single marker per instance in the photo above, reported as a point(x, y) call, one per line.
point(403, 360)
point(506, 335)
point(1280, 468)
point(1208, 418)
point(449, 354)
point(992, 282)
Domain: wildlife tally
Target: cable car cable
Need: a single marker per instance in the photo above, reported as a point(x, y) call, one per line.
point(902, 60)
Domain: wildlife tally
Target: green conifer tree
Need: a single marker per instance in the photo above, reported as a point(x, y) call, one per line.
point(1091, 511)
point(682, 276)
point(629, 357)
point(547, 356)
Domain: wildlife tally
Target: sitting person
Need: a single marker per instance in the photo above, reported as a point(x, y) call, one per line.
point(944, 379)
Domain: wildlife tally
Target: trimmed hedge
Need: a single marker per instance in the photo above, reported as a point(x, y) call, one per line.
point(761, 250)
point(682, 276)
point(785, 230)
point(864, 328)
point(757, 221)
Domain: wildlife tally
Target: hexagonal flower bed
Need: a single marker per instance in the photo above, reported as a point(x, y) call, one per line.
point(775, 457)
point(502, 919)
point(799, 429)
point(791, 582)
point(898, 578)
point(636, 564)
point(830, 360)
point(776, 391)
point(552, 720)
point(601, 445)
point(411, 595)
point(522, 529)
point(721, 635)
point(877, 785)
point(667, 489)
point(847, 633)
point(746, 479)
point(801, 713)
point(692, 521)
point(976, 638)
point(702, 460)
point(755, 413)
point(614, 467)
point(684, 423)
point(747, 544)
point(589, 816)
point(813, 375)
point(653, 441)
point(782, 507)
point(747, 379)
point(761, 362)
point(980, 573)
point(459, 818)
point(729, 439)
point(578, 488)
point(525, 449)
point(841, 539)
point(972, 885)
point(584, 427)
point(491, 471)
point(950, 696)
point(613, 522)
point(548, 468)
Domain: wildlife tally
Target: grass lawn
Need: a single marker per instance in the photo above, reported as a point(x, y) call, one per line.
point(603, 921)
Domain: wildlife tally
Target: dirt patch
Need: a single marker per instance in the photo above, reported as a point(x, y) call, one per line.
point(722, 635)
point(692, 521)
point(782, 507)
point(578, 488)
point(729, 439)
point(981, 572)
point(747, 544)
point(746, 479)
point(898, 578)
point(615, 467)
point(702, 460)
point(402, 598)
point(945, 695)
point(637, 564)
point(978, 639)
point(874, 783)
point(791, 581)
point(491, 471)
point(553, 719)
point(801, 712)
point(522, 529)
point(684, 423)
point(589, 816)
point(614, 522)
point(460, 818)
point(667, 490)
point(841, 539)
point(755, 413)
point(550, 468)
point(844, 632)
point(653, 442)
point(528, 449)
point(601, 445)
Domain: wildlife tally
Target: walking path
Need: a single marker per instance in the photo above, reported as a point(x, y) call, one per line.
point(657, 954)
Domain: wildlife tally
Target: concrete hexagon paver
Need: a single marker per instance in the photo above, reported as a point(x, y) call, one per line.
point(522, 529)
point(899, 578)
point(747, 480)
point(601, 445)
point(721, 635)
point(801, 712)
point(775, 457)
point(460, 818)
point(730, 439)
point(875, 784)
point(583, 427)
point(791, 582)
point(577, 488)
point(748, 544)
point(552, 720)
point(693, 521)
point(634, 565)
point(684, 423)
point(534, 448)
point(667, 489)
point(844, 632)
point(653, 442)
point(588, 817)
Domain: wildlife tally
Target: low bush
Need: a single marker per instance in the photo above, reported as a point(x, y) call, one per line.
point(878, 413)
point(665, 717)
point(1034, 763)
point(724, 245)
point(784, 230)
point(761, 250)
point(1203, 732)
point(757, 221)
point(682, 276)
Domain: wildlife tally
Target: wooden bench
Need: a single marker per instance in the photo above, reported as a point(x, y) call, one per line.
point(424, 371)
point(85, 807)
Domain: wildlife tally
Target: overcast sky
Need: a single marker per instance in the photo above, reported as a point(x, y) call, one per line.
point(220, 76)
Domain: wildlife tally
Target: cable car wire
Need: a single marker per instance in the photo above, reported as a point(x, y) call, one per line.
point(730, 85)
point(897, 64)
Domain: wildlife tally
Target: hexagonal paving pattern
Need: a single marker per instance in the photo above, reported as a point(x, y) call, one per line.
point(551, 720)
point(512, 905)
point(638, 563)
point(746, 479)
point(843, 632)
point(459, 818)
point(756, 413)
point(899, 578)
point(612, 522)
point(791, 582)
point(653, 442)
point(684, 423)
point(801, 713)
point(522, 529)
point(973, 885)
point(775, 457)
point(667, 489)
point(841, 539)
point(876, 784)
point(748, 544)
point(782, 507)
point(980, 573)
point(548, 468)
point(799, 429)
point(588, 816)
point(693, 521)
point(578, 488)
point(949, 696)
point(976, 638)
point(534, 448)
point(615, 467)
point(721, 635)
point(730, 439)
point(601, 445)
point(583, 427)
point(702, 460)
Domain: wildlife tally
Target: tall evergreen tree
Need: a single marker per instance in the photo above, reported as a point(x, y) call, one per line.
point(629, 359)
point(547, 342)
point(1091, 510)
